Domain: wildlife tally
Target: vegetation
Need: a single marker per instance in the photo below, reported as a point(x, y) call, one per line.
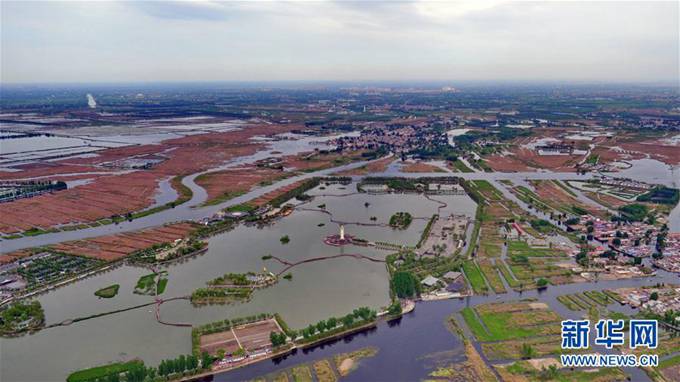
point(460, 166)
point(21, 317)
point(510, 321)
point(661, 195)
point(165, 251)
point(426, 231)
point(634, 212)
point(151, 284)
point(405, 284)
point(284, 239)
point(108, 292)
point(332, 326)
point(277, 339)
point(104, 372)
point(475, 277)
point(542, 226)
point(295, 192)
point(401, 220)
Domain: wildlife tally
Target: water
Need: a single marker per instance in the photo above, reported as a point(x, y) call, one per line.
point(403, 348)
point(340, 285)
point(408, 349)
point(651, 171)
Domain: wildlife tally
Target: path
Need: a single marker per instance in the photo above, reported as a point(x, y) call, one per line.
point(290, 265)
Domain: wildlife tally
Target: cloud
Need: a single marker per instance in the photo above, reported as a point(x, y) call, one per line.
point(338, 40)
point(184, 10)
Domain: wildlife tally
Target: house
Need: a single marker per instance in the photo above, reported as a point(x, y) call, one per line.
point(452, 276)
point(430, 281)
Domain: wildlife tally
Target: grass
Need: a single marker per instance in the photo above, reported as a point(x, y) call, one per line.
point(510, 321)
point(101, 372)
point(613, 296)
point(566, 301)
point(565, 188)
point(521, 247)
point(673, 361)
point(244, 207)
point(505, 271)
point(302, 374)
point(34, 232)
point(475, 277)
point(502, 327)
point(460, 166)
point(108, 292)
point(223, 198)
point(324, 371)
point(523, 368)
point(598, 297)
point(162, 283)
point(593, 159)
point(146, 281)
point(491, 274)
point(474, 324)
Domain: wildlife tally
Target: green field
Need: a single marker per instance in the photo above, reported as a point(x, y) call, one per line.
point(509, 325)
point(473, 323)
point(522, 248)
point(475, 277)
point(460, 166)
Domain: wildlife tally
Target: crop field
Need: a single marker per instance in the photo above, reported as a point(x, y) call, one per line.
point(115, 247)
point(506, 321)
point(251, 337)
point(522, 248)
point(491, 274)
point(512, 349)
point(475, 277)
point(585, 300)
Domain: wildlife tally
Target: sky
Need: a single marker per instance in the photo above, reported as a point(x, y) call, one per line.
point(481, 40)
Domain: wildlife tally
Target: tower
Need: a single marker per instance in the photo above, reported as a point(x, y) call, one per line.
point(342, 232)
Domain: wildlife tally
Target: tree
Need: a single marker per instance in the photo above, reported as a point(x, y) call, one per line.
point(654, 296)
point(206, 360)
point(321, 326)
point(331, 323)
point(405, 284)
point(181, 364)
point(311, 329)
point(542, 283)
point(162, 368)
point(348, 320)
point(616, 242)
point(394, 309)
point(277, 339)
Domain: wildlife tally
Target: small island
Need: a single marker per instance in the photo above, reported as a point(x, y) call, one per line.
point(401, 220)
point(232, 287)
point(21, 317)
point(152, 284)
point(108, 292)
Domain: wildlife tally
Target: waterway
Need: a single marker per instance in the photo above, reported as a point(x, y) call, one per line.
point(339, 285)
point(414, 346)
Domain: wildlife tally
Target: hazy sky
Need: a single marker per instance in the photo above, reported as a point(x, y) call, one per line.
point(251, 41)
